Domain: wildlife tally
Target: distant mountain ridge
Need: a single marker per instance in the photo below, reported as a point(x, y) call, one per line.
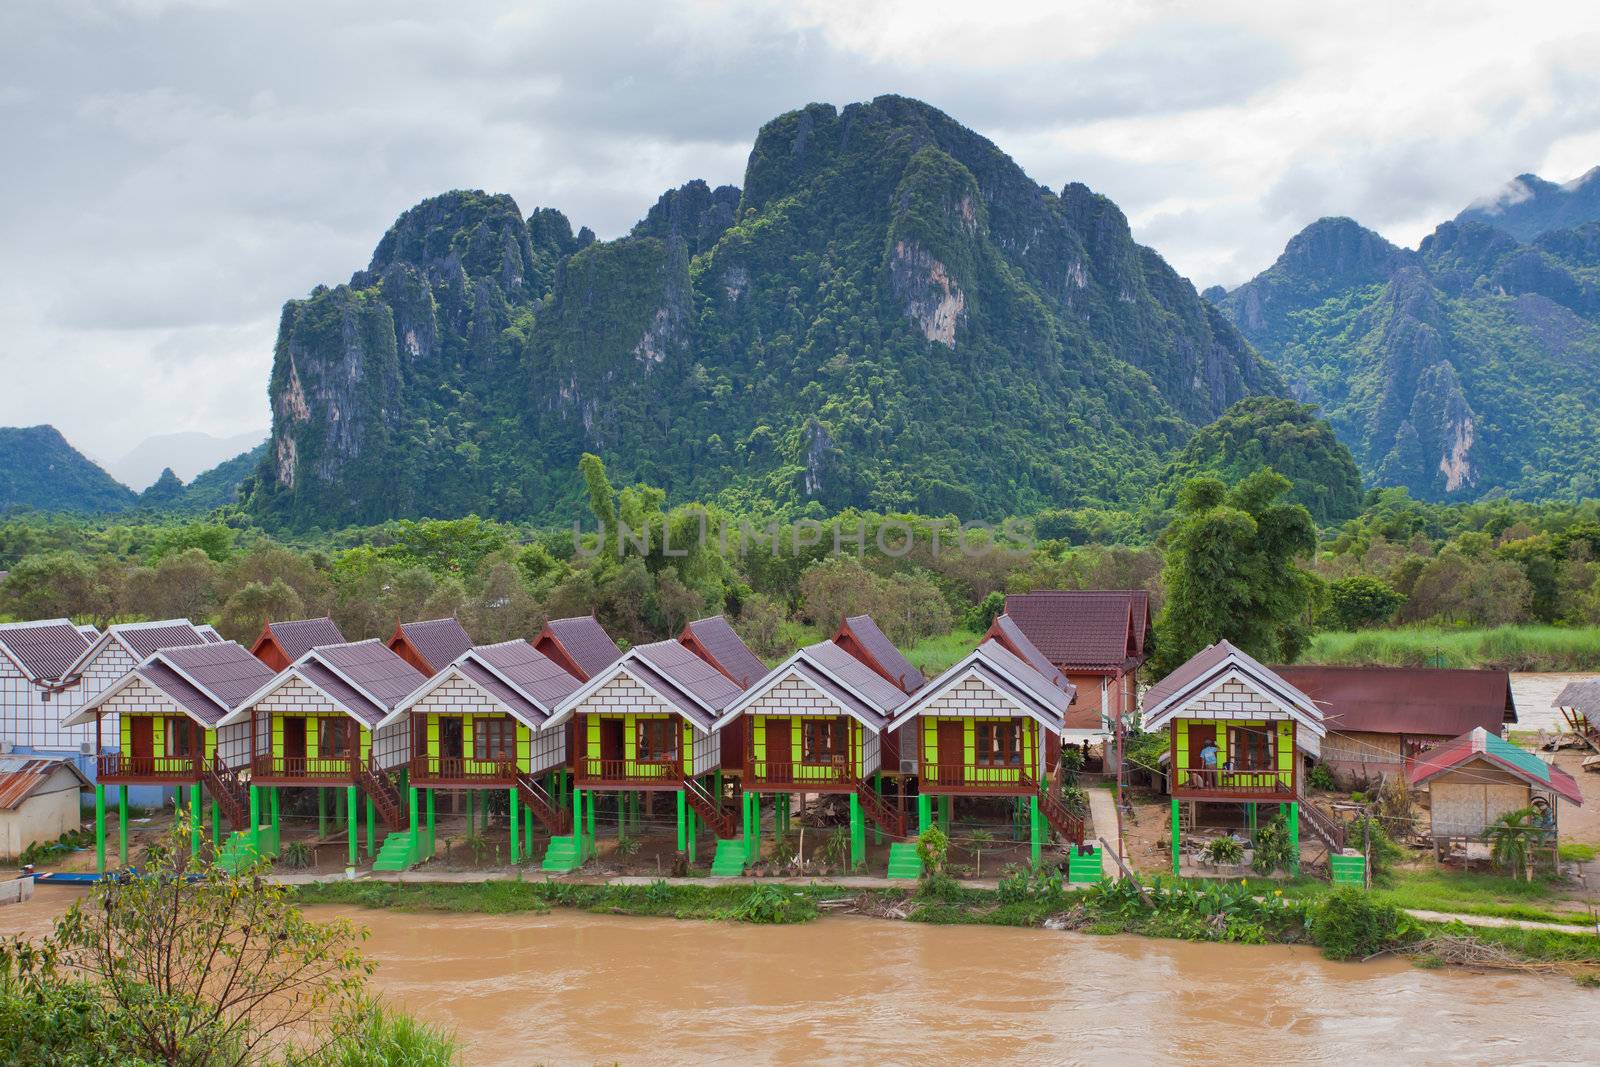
point(188, 453)
point(889, 314)
point(1468, 366)
point(39, 469)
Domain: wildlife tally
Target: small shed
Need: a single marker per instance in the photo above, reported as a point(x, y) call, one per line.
point(1475, 779)
point(39, 801)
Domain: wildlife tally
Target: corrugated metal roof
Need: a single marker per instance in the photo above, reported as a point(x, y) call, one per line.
point(341, 692)
point(1005, 630)
point(227, 670)
point(882, 695)
point(440, 642)
point(1585, 696)
point(882, 652)
point(586, 642)
point(298, 636)
point(539, 678)
point(727, 651)
point(373, 668)
point(44, 650)
point(1479, 744)
point(1084, 628)
point(997, 667)
point(21, 777)
point(182, 692)
point(690, 673)
point(147, 637)
point(1406, 700)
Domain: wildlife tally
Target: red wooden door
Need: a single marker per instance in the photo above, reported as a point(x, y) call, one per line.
point(611, 739)
point(780, 746)
point(952, 743)
point(141, 742)
point(1199, 734)
point(294, 737)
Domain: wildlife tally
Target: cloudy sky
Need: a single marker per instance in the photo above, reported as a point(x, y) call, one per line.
point(173, 171)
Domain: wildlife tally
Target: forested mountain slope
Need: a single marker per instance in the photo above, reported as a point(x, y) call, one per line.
point(39, 469)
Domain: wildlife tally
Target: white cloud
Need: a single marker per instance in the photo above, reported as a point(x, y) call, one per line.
point(174, 171)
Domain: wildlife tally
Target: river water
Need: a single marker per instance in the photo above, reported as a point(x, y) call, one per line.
point(570, 988)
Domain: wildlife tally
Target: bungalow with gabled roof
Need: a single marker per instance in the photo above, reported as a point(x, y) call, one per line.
point(814, 724)
point(649, 723)
point(432, 645)
point(281, 643)
point(168, 712)
point(37, 689)
point(319, 724)
point(1098, 638)
point(981, 729)
point(475, 726)
point(1237, 730)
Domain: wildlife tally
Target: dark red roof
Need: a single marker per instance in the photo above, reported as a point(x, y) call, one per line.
point(296, 637)
point(727, 652)
point(147, 637)
point(226, 670)
point(438, 642)
point(878, 652)
point(1005, 630)
point(536, 676)
point(585, 642)
point(1085, 629)
point(1406, 700)
point(374, 668)
point(44, 650)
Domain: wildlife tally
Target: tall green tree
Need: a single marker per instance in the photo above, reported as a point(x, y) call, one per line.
point(1233, 572)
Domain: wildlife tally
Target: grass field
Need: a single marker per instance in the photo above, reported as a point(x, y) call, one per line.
point(933, 654)
point(1515, 648)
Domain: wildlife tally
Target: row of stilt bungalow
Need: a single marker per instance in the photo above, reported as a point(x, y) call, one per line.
point(389, 731)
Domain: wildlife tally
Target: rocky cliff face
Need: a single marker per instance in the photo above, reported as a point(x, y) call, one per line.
point(890, 314)
point(1464, 367)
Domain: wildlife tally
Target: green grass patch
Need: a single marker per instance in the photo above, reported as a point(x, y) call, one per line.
point(1515, 648)
point(1573, 852)
point(934, 654)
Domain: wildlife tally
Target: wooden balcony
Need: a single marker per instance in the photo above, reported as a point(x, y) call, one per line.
point(594, 773)
point(302, 770)
point(453, 771)
point(1213, 783)
point(976, 779)
point(763, 776)
point(116, 768)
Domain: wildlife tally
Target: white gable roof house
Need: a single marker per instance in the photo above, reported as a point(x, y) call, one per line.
point(36, 687)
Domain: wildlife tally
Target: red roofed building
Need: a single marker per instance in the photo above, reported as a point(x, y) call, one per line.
point(430, 646)
point(1097, 638)
point(580, 644)
point(281, 643)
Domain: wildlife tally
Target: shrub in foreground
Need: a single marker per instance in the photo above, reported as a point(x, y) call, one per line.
point(1348, 924)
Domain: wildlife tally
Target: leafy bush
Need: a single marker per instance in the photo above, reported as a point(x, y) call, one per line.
point(1348, 924)
point(1020, 885)
point(1366, 831)
point(1359, 601)
point(296, 855)
point(41, 852)
point(773, 904)
point(383, 1037)
point(1274, 851)
point(932, 848)
point(1321, 778)
point(1224, 851)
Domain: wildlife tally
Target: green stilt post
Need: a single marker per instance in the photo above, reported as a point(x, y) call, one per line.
point(877, 787)
point(100, 828)
point(431, 838)
point(322, 812)
point(683, 826)
point(858, 834)
point(946, 803)
point(255, 820)
point(1294, 837)
point(577, 820)
point(694, 830)
point(416, 831)
point(1175, 831)
point(351, 820)
point(277, 829)
point(197, 820)
point(924, 812)
point(122, 824)
point(369, 826)
point(516, 825)
point(216, 825)
point(1035, 830)
point(527, 828)
point(590, 817)
point(472, 812)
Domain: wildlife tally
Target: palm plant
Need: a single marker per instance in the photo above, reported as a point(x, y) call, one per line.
point(1509, 836)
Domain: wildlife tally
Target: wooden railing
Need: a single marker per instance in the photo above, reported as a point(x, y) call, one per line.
point(341, 768)
point(1234, 783)
point(600, 772)
point(975, 778)
point(835, 772)
point(153, 768)
point(458, 769)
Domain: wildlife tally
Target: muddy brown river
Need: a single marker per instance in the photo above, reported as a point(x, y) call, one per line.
point(568, 988)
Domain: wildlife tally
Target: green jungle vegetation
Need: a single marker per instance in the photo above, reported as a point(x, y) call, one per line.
point(1499, 582)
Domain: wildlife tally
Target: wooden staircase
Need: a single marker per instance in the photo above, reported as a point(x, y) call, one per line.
point(880, 811)
point(555, 819)
point(722, 823)
point(230, 792)
point(1062, 820)
point(386, 798)
point(1329, 831)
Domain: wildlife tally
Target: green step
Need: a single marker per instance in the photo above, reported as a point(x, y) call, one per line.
point(237, 853)
point(730, 859)
point(1085, 869)
point(904, 861)
point(563, 854)
point(400, 850)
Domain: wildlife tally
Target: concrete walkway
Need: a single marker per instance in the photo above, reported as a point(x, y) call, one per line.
point(1103, 816)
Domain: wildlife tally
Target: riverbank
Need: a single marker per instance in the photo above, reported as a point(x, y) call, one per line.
point(1215, 912)
point(1512, 648)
